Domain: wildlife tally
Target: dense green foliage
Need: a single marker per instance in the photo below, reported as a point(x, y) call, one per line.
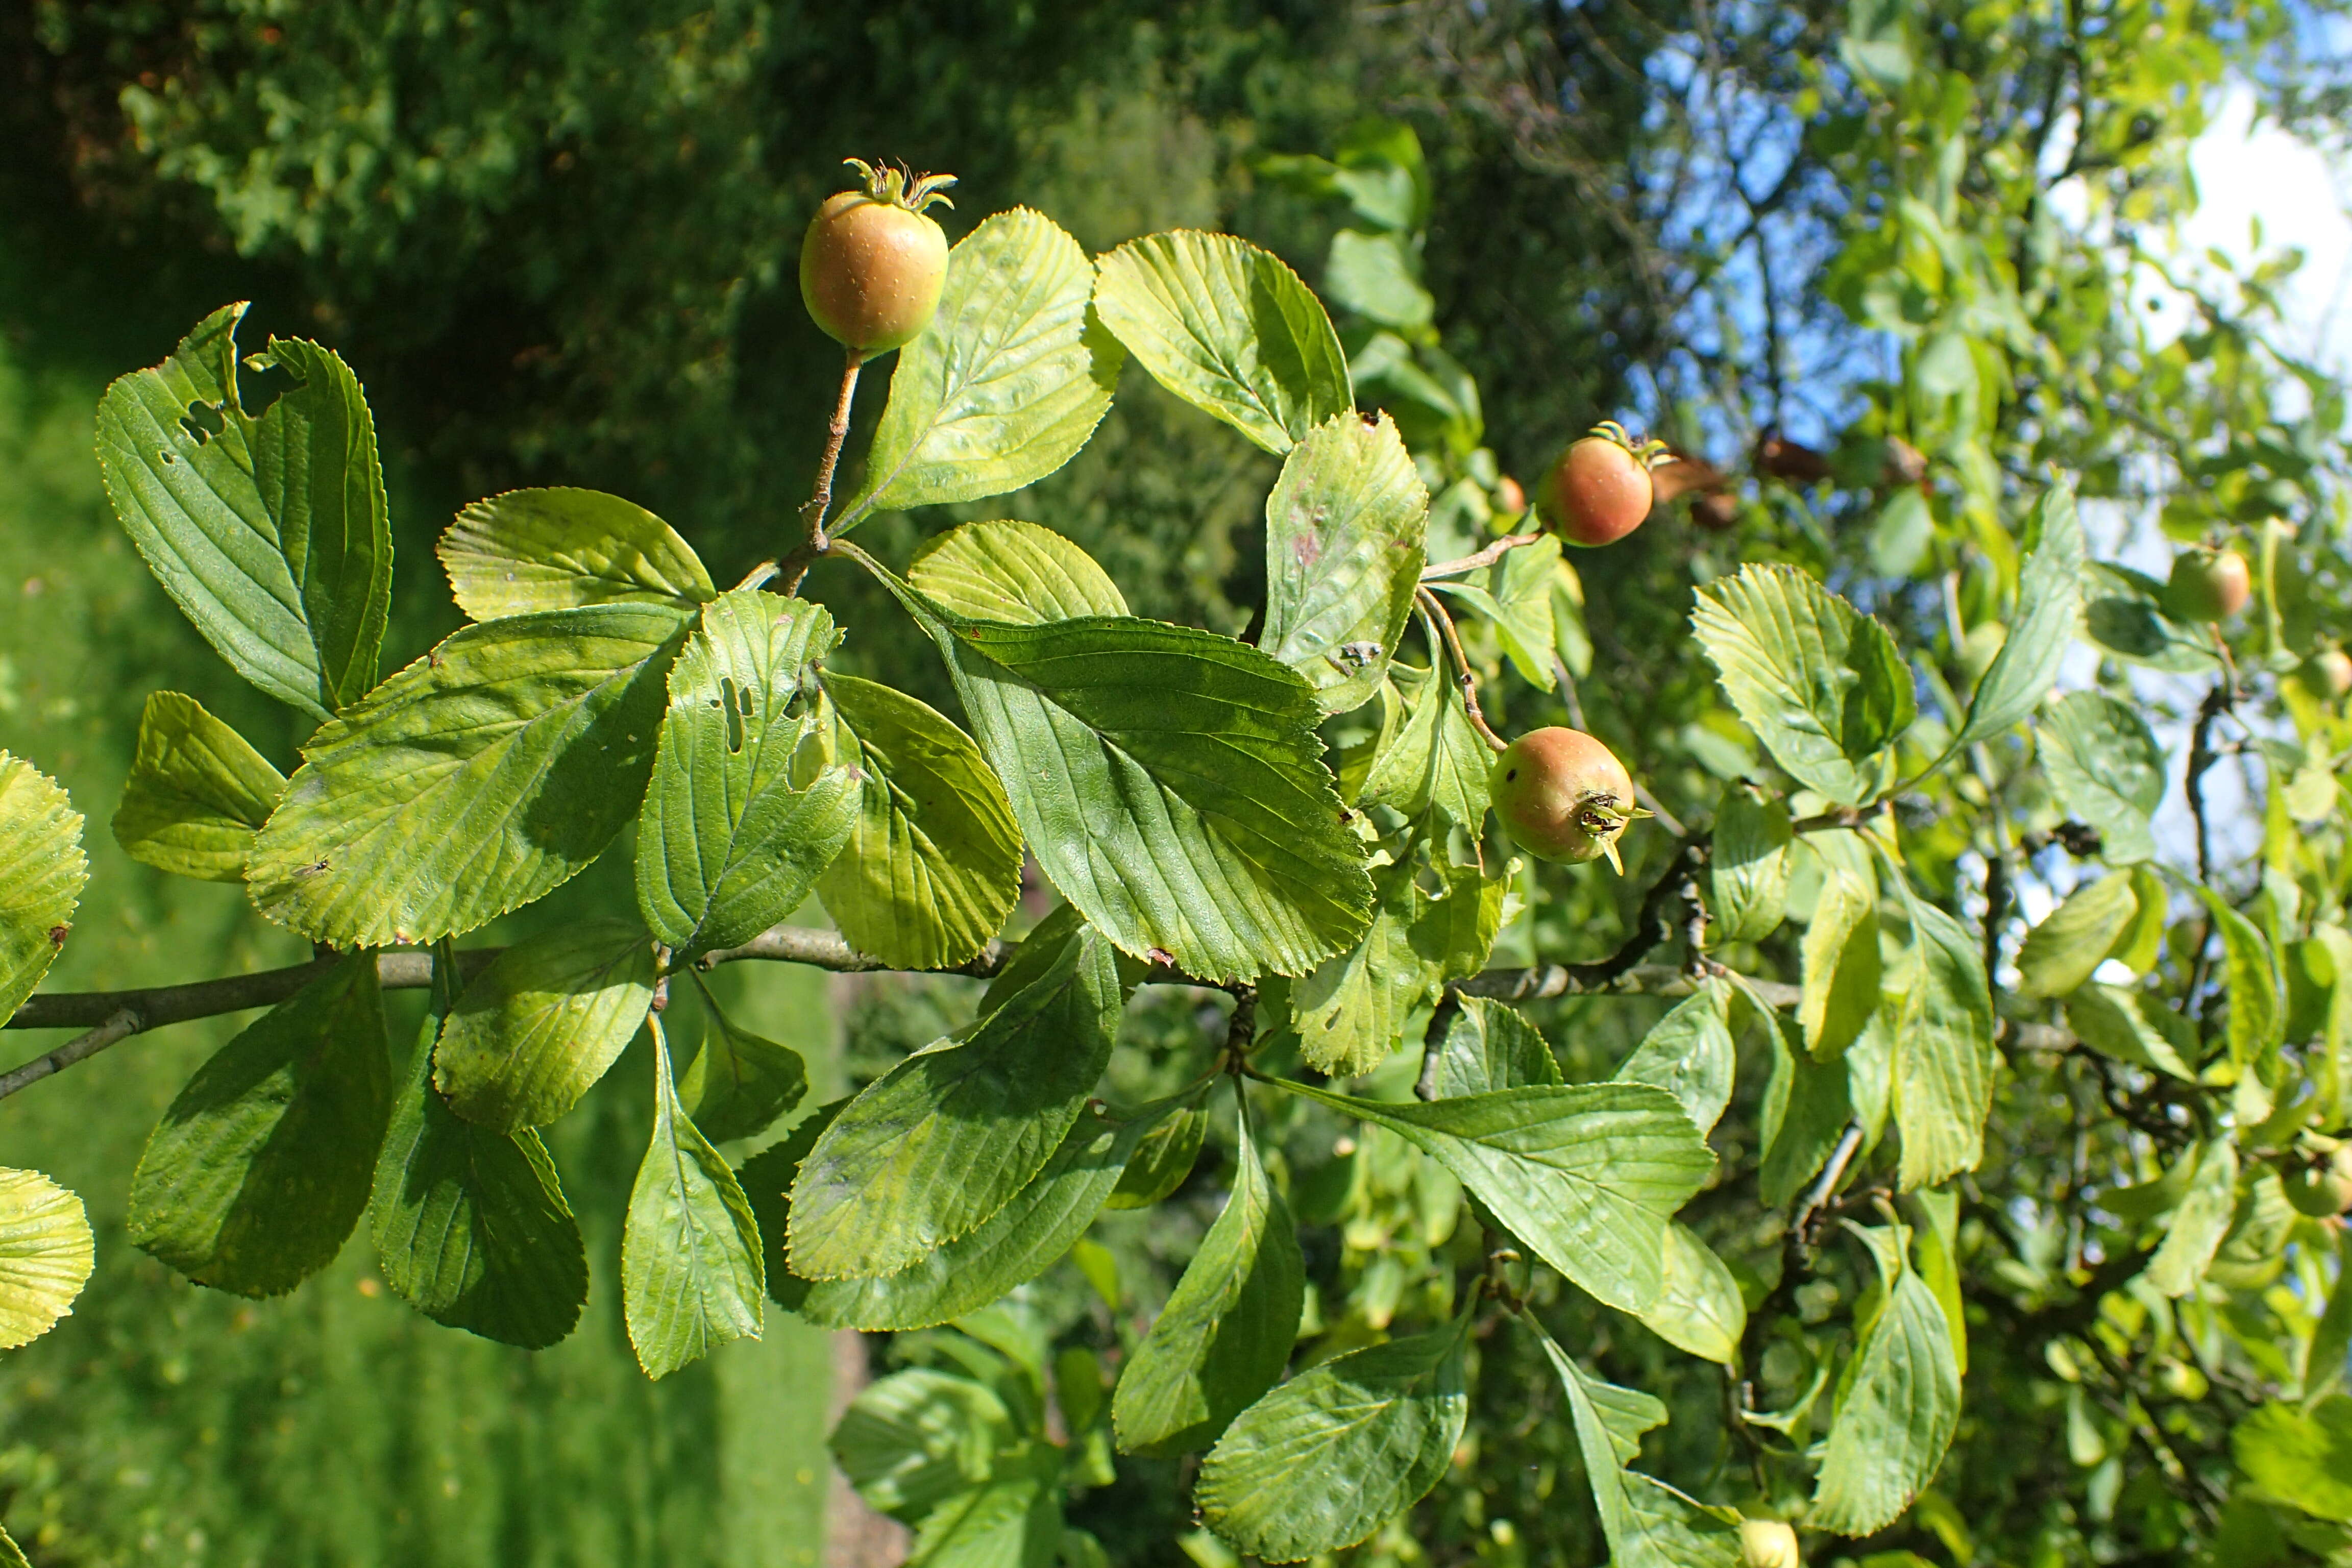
point(2061, 1294)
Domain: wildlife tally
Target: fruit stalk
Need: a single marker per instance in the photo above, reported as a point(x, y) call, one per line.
point(813, 545)
point(1432, 609)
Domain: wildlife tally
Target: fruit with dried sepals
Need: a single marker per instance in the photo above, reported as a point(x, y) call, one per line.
point(2329, 672)
point(2207, 585)
point(1769, 1544)
point(1562, 796)
point(872, 264)
point(1600, 491)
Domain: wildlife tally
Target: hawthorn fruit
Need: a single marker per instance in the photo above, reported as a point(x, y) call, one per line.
point(1600, 491)
point(1510, 499)
point(872, 264)
point(1563, 796)
point(2207, 585)
point(1769, 1544)
point(2323, 1190)
point(2330, 670)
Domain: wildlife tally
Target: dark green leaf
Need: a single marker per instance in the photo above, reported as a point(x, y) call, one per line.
point(196, 795)
point(260, 1168)
point(1688, 1053)
point(2106, 770)
point(1230, 330)
point(1490, 1047)
point(690, 1262)
point(1648, 1523)
point(1841, 967)
point(934, 864)
point(945, 1139)
point(1172, 786)
point(745, 812)
point(1899, 1401)
point(485, 774)
point(1586, 1174)
point(1226, 1332)
point(1748, 865)
point(1343, 555)
point(2049, 613)
point(270, 534)
point(544, 1022)
point(1819, 682)
point(1330, 1456)
point(738, 1084)
point(562, 548)
point(40, 844)
point(1940, 1016)
point(46, 1255)
point(2061, 953)
point(1016, 572)
point(471, 1227)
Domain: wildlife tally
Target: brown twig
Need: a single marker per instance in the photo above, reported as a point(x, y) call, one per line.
point(796, 564)
point(1486, 557)
point(1464, 678)
point(1433, 1042)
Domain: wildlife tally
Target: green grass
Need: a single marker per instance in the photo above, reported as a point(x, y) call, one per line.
point(164, 1424)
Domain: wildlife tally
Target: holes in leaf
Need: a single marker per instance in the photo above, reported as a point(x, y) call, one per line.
point(204, 421)
point(727, 701)
point(264, 381)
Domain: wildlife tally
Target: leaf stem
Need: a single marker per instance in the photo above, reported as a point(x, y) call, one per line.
point(1486, 557)
point(1432, 608)
point(796, 564)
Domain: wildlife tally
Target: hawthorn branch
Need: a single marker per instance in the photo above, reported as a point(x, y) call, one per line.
point(795, 565)
point(1437, 613)
point(1466, 564)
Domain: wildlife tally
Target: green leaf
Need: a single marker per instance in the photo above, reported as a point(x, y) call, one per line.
point(1940, 1016)
point(2257, 1015)
point(739, 1083)
point(1587, 1174)
point(1898, 1405)
point(1689, 1054)
point(1841, 964)
point(1489, 1047)
point(1748, 865)
point(1819, 682)
point(1230, 330)
point(1700, 1309)
point(2106, 770)
point(1385, 1419)
point(1016, 572)
point(1173, 790)
point(945, 1139)
point(934, 864)
point(1008, 383)
point(2301, 1457)
point(271, 534)
point(1435, 762)
point(744, 812)
point(2331, 1338)
point(46, 1255)
point(1226, 1332)
point(1455, 929)
point(471, 1227)
point(2134, 1027)
point(41, 844)
point(1939, 1263)
point(2061, 953)
point(1370, 274)
point(482, 776)
point(1521, 596)
point(2049, 613)
point(1034, 1230)
point(2124, 614)
point(196, 795)
point(1163, 1160)
point(1343, 555)
point(1351, 1012)
point(563, 549)
point(690, 1263)
point(1013, 1522)
point(2202, 1219)
point(257, 1173)
point(1648, 1524)
point(544, 1022)
point(1807, 1105)
point(912, 1440)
